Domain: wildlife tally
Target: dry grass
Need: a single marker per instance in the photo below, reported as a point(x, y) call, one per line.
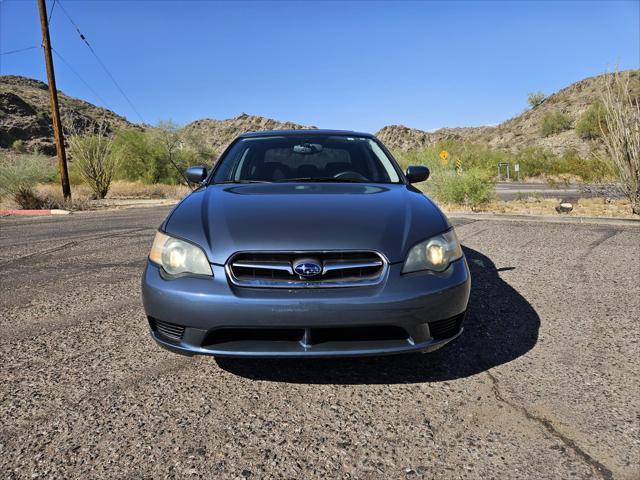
point(119, 190)
point(585, 207)
point(123, 189)
point(83, 197)
point(54, 192)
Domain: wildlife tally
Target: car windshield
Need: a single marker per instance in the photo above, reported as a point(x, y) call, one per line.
point(306, 158)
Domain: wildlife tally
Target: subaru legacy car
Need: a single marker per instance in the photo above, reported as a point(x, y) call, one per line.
point(305, 243)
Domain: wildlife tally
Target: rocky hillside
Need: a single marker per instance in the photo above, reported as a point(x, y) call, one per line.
point(25, 114)
point(217, 134)
point(519, 132)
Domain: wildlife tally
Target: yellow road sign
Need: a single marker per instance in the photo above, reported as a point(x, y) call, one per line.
point(444, 154)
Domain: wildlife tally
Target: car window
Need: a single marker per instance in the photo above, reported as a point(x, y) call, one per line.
point(306, 158)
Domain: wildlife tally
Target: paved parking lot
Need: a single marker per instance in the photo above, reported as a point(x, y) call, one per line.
point(544, 382)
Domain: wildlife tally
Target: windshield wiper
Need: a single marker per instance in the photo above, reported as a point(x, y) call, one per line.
point(318, 179)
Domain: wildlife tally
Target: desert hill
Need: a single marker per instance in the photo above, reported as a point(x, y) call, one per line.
point(24, 116)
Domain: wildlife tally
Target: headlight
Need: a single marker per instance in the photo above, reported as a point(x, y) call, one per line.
point(177, 256)
point(434, 254)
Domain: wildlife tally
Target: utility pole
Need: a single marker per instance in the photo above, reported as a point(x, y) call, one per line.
point(53, 96)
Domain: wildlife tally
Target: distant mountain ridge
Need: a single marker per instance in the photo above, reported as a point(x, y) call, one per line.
point(24, 115)
point(520, 131)
point(217, 134)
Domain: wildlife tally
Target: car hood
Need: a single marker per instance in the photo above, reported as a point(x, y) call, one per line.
point(225, 219)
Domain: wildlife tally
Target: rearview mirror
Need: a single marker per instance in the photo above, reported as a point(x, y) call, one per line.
point(196, 174)
point(417, 173)
point(307, 148)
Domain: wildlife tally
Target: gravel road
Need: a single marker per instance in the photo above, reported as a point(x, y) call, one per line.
point(544, 382)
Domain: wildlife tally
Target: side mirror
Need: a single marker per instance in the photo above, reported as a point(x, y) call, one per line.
point(196, 174)
point(417, 173)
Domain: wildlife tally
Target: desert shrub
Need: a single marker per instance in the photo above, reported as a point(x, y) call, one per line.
point(20, 172)
point(534, 161)
point(622, 134)
point(27, 198)
point(471, 155)
point(473, 188)
point(588, 169)
point(554, 122)
point(140, 158)
point(535, 98)
point(591, 122)
point(19, 146)
point(158, 155)
point(94, 160)
point(51, 196)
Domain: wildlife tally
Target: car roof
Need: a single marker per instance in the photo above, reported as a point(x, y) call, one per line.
point(304, 131)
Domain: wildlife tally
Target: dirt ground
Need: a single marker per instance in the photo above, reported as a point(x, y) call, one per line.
point(543, 383)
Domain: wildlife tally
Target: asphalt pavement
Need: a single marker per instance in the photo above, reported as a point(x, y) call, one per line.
point(543, 383)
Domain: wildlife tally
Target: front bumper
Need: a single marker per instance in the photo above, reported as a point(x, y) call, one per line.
point(205, 305)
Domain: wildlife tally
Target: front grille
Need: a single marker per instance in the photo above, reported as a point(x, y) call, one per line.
point(446, 328)
point(308, 336)
point(166, 329)
point(276, 269)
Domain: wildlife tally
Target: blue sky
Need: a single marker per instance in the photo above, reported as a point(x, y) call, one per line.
point(353, 65)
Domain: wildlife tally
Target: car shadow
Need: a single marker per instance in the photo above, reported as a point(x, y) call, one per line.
point(500, 326)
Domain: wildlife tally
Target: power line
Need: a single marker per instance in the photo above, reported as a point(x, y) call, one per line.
point(51, 11)
point(9, 52)
point(79, 76)
point(104, 67)
point(19, 50)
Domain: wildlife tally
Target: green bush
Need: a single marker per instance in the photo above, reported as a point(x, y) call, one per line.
point(140, 158)
point(589, 169)
point(19, 146)
point(591, 122)
point(473, 187)
point(146, 155)
point(554, 122)
point(23, 171)
point(534, 161)
point(535, 98)
point(471, 155)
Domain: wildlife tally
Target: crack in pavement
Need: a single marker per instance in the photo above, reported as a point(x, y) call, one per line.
point(604, 472)
point(603, 238)
point(73, 243)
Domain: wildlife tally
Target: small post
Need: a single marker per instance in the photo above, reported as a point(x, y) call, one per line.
point(53, 97)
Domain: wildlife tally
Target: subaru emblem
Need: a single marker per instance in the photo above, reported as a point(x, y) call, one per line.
point(307, 267)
